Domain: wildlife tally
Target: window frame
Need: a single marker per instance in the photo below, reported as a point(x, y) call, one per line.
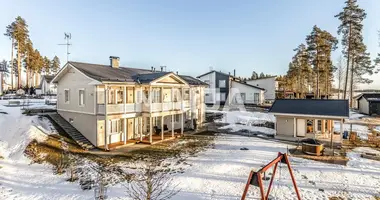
point(68, 96)
point(79, 97)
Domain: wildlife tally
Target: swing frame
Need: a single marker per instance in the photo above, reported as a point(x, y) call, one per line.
point(255, 178)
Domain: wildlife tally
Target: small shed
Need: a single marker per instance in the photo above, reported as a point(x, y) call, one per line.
point(309, 118)
point(368, 103)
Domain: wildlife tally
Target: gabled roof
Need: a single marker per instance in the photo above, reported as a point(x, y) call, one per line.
point(193, 81)
point(369, 96)
point(212, 71)
point(122, 74)
point(48, 78)
point(246, 84)
point(311, 107)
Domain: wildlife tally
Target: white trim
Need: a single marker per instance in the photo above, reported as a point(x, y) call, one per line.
point(168, 75)
point(70, 65)
point(310, 116)
point(74, 111)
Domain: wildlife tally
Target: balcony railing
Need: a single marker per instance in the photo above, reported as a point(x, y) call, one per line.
point(143, 107)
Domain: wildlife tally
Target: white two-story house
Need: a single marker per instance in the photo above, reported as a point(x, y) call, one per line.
point(112, 105)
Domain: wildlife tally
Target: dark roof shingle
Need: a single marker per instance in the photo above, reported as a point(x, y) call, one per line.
point(192, 81)
point(324, 107)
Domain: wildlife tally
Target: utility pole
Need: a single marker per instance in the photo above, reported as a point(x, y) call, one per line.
point(67, 44)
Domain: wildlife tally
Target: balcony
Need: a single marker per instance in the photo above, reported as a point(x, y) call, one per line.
point(119, 108)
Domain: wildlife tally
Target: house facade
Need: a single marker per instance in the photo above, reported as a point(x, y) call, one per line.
point(227, 89)
point(112, 105)
point(309, 118)
point(269, 84)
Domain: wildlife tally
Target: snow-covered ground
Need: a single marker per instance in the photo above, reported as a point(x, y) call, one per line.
point(217, 173)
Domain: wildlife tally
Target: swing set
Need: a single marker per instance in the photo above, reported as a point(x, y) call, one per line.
point(255, 177)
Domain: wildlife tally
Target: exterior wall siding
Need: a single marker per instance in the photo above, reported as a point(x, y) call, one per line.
point(74, 81)
point(269, 84)
point(363, 106)
point(285, 126)
point(84, 123)
point(249, 93)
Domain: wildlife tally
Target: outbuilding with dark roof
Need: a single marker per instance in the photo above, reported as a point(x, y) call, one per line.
point(369, 103)
point(309, 118)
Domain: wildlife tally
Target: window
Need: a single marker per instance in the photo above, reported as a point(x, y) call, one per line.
point(222, 96)
point(81, 97)
point(256, 98)
point(67, 96)
point(222, 83)
point(120, 96)
point(177, 118)
point(186, 95)
point(156, 96)
point(111, 98)
point(319, 125)
point(114, 126)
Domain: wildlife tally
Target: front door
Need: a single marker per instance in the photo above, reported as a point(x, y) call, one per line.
point(130, 128)
point(100, 138)
point(301, 127)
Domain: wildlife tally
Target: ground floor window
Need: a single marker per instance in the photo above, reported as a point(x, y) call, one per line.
point(310, 126)
point(256, 97)
point(115, 126)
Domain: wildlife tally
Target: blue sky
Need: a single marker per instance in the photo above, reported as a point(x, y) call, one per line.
point(186, 36)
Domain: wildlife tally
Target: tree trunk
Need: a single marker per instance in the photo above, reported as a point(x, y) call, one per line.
point(1, 82)
point(339, 81)
point(348, 63)
point(27, 76)
point(19, 66)
point(12, 63)
point(352, 82)
point(327, 82)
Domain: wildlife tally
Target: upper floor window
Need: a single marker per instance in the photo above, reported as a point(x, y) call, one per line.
point(120, 96)
point(222, 83)
point(186, 95)
point(67, 96)
point(81, 97)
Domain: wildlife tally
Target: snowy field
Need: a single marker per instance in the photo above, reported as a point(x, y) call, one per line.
point(217, 173)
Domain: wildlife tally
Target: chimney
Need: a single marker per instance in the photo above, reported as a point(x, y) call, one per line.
point(114, 61)
point(177, 72)
point(162, 67)
point(151, 68)
point(234, 72)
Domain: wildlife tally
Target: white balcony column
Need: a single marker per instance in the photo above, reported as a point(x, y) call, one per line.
point(172, 98)
point(182, 105)
point(141, 128)
point(182, 123)
point(150, 99)
point(151, 130)
point(172, 125)
point(125, 130)
point(191, 99)
point(162, 127)
point(125, 98)
point(341, 128)
point(141, 95)
point(105, 118)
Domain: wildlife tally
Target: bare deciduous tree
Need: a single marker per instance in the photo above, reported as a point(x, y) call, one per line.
point(340, 75)
point(152, 183)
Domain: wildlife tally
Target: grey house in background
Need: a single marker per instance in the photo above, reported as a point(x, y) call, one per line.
point(309, 118)
point(227, 89)
point(368, 103)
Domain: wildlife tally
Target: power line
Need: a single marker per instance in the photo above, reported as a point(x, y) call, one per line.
point(67, 38)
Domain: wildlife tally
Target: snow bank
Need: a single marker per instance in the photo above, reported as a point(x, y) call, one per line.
point(18, 130)
point(251, 129)
point(356, 116)
point(247, 118)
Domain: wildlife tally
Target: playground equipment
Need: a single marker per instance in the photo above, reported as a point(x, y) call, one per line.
point(255, 177)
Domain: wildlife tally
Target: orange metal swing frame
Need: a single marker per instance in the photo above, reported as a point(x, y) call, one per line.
point(255, 178)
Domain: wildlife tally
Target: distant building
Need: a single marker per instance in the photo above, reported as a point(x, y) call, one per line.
point(46, 86)
point(226, 89)
point(269, 84)
point(368, 103)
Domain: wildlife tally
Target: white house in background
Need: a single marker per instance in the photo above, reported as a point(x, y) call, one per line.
point(112, 106)
point(46, 86)
point(226, 89)
point(269, 84)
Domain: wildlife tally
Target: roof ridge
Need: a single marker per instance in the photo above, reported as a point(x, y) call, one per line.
point(102, 65)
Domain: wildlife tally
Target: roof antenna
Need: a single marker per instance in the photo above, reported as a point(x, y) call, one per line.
point(67, 38)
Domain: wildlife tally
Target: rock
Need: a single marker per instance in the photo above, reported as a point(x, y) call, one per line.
point(321, 190)
point(244, 149)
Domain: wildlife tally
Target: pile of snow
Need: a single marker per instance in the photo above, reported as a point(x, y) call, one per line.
point(246, 118)
point(251, 129)
point(355, 116)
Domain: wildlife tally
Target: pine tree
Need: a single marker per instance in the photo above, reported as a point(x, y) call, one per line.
point(254, 75)
point(350, 28)
point(262, 75)
point(320, 44)
point(21, 34)
point(302, 69)
point(46, 65)
point(3, 73)
point(29, 58)
point(55, 65)
point(9, 32)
